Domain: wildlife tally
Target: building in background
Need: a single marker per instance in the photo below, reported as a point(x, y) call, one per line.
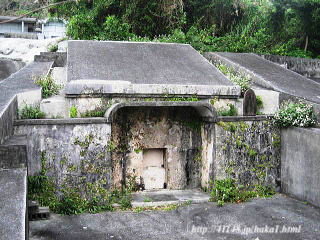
point(32, 28)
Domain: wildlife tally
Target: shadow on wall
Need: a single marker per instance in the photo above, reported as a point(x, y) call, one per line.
point(8, 67)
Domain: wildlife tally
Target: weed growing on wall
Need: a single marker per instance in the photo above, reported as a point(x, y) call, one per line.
point(241, 80)
point(295, 114)
point(49, 87)
point(73, 113)
point(30, 112)
point(259, 104)
point(193, 98)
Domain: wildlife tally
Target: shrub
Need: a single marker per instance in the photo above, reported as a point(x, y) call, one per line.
point(49, 87)
point(295, 114)
point(230, 110)
point(73, 112)
point(30, 112)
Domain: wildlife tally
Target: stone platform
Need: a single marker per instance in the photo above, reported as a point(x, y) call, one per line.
point(165, 197)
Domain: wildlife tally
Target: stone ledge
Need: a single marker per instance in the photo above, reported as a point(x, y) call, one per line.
point(243, 118)
point(69, 121)
point(122, 88)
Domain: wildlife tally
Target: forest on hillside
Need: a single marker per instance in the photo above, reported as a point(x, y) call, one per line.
point(282, 27)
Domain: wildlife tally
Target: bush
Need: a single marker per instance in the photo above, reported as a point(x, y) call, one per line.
point(49, 87)
point(30, 112)
point(295, 114)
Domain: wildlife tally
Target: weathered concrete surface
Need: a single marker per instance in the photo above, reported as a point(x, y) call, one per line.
point(248, 152)
point(182, 223)
point(165, 197)
point(22, 81)
point(300, 163)
point(176, 130)
point(7, 115)
point(10, 88)
point(125, 67)
point(204, 109)
point(7, 67)
point(121, 88)
point(270, 99)
point(270, 75)
point(13, 153)
point(73, 154)
point(13, 196)
point(144, 63)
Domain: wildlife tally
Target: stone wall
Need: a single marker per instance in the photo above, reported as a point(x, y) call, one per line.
point(303, 66)
point(248, 151)
point(177, 130)
point(74, 154)
point(300, 163)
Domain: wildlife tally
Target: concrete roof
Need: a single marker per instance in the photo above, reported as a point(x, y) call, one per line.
point(269, 75)
point(139, 63)
point(6, 18)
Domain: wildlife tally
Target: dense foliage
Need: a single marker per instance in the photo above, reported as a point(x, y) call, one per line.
point(284, 27)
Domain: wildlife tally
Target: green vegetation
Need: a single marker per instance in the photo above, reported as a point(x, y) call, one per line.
point(73, 112)
point(228, 190)
point(283, 27)
point(181, 99)
point(49, 87)
point(241, 80)
point(53, 48)
point(230, 110)
point(295, 114)
point(68, 201)
point(31, 112)
point(259, 105)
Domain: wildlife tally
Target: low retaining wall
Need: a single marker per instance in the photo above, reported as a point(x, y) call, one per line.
point(300, 168)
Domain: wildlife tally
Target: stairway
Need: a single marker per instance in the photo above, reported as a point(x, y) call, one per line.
point(37, 213)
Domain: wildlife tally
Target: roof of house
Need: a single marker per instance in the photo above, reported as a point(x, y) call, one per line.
point(24, 19)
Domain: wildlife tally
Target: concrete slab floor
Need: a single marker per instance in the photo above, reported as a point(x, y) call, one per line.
point(165, 197)
point(245, 221)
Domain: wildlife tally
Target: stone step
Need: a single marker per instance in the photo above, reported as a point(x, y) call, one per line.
point(33, 206)
point(43, 213)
